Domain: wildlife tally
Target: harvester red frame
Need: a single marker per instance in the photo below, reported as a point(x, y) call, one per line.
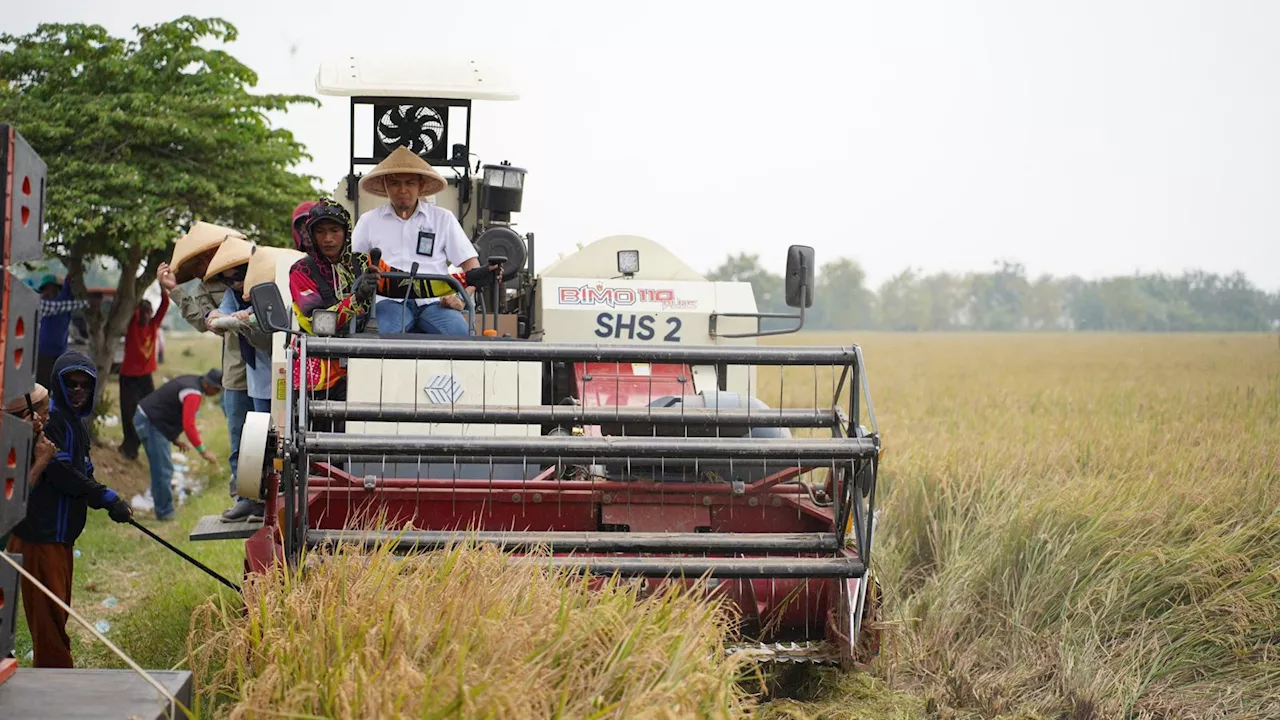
point(790, 556)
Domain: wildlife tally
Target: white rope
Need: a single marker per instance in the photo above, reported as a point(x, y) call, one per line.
point(173, 701)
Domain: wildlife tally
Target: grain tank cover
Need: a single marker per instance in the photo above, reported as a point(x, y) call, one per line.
point(600, 260)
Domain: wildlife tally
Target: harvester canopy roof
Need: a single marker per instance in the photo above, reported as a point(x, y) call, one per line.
point(403, 76)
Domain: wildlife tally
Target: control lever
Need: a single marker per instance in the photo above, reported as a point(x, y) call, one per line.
point(413, 270)
point(375, 257)
point(498, 260)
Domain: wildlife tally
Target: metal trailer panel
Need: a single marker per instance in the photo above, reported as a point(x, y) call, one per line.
point(9, 583)
point(15, 449)
point(20, 306)
point(91, 694)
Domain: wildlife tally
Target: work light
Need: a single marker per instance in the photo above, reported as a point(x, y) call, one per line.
point(501, 190)
point(324, 323)
point(628, 262)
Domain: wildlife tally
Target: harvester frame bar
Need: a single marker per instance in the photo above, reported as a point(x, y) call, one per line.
point(850, 453)
point(516, 415)
point(516, 350)
point(579, 542)
point(781, 452)
point(694, 567)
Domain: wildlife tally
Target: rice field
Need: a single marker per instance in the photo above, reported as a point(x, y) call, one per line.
point(1077, 526)
point(1073, 526)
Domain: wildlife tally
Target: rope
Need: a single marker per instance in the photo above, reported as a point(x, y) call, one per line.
point(173, 701)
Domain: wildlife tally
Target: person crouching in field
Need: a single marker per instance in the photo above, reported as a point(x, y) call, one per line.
point(57, 507)
point(231, 266)
point(161, 419)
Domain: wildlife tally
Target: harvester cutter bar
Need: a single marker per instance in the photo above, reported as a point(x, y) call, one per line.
point(784, 417)
point(458, 349)
point(651, 542)
point(807, 653)
point(776, 451)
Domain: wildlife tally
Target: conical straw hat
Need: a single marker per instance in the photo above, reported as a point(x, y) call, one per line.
point(262, 266)
point(202, 238)
point(233, 252)
point(402, 160)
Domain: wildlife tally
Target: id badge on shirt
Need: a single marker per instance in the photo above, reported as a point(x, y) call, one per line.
point(426, 243)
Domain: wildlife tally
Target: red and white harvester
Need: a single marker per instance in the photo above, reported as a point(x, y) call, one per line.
point(604, 411)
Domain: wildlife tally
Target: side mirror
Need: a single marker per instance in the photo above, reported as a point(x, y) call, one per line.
point(800, 276)
point(269, 307)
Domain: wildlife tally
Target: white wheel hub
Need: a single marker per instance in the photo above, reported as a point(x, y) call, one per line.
point(251, 469)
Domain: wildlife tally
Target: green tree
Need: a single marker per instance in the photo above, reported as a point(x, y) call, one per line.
point(841, 299)
point(142, 138)
point(768, 288)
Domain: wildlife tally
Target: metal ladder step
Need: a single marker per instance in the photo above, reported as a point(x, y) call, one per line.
point(211, 527)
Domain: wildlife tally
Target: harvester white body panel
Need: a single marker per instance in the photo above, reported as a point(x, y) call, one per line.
point(443, 383)
point(582, 299)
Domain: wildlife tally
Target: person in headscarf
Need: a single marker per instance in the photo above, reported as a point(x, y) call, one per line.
point(335, 278)
point(57, 507)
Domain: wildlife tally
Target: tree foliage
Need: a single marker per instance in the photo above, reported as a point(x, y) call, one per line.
point(143, 137)
point(1005, 299)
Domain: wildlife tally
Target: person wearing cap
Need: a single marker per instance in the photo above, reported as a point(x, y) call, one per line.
point(191, 259)
point(57, 507)
point(140, 349)
point(161, 420)
point(408, 230)
point(56, 306)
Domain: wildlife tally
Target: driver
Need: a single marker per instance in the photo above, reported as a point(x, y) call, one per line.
point(408, 231)
point(332, 277)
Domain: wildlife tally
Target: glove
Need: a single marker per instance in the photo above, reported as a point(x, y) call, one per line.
point(479, 277)
point(366, 287)
point(120, 511)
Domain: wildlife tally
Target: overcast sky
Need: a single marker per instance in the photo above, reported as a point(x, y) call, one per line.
point(1076, 137)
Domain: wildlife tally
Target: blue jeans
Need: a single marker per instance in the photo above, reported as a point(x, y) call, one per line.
point(395, 316)
point(236, 404)
point(158, 449)
point(261, 404)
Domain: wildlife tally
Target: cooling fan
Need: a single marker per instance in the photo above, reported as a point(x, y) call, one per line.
point(417, 127)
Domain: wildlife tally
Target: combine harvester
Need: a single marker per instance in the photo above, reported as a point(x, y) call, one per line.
point(604, 411)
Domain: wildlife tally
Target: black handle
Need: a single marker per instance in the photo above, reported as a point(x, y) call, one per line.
point(186, 557)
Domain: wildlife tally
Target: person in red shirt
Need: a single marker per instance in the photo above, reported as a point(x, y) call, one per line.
point(140, 349)
point(162, 418)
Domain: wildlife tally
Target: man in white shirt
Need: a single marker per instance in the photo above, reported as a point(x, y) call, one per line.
point(409, 230)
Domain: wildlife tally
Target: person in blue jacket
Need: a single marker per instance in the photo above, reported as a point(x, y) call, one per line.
point(57, 507)
point(56, 306)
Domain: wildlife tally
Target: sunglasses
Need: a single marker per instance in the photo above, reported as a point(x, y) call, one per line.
point(236, 274)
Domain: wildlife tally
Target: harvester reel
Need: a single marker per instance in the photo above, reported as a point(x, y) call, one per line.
point(254, 464)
